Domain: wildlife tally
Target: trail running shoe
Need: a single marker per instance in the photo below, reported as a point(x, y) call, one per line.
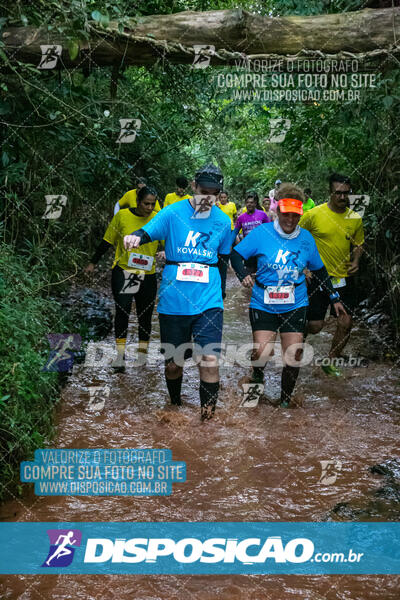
point(176, 402)
point(118, 364)
point(207, 411)
point(332, 371)
point(354, 361)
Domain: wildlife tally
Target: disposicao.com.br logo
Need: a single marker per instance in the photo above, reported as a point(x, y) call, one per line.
point(212, 550)
point(200, 548)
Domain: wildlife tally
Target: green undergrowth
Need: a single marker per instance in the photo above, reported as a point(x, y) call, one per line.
point(27, 394)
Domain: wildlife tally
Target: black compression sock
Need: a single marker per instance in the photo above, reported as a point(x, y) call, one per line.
point(208, 398)
point(258, 375)
point(289, 378)
point(174, 389)
point(208, 393)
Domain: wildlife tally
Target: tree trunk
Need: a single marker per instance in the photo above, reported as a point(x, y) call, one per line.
point(369, 34)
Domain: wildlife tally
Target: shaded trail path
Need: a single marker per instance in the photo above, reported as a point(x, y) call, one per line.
point(262, 464)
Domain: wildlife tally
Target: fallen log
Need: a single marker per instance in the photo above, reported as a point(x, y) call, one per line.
point(368, 35)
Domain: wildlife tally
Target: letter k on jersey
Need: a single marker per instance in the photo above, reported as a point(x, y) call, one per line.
point(192, 238)
point(282, 255)
point(197, 239)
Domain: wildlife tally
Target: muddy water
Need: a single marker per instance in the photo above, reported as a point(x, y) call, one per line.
point(258, 464)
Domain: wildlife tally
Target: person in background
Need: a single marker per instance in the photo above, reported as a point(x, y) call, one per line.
point(339, 235)
point(133, 272)
point(252, 218)
point(266, 206)
point(254, 195)
point(272, 193)
point(128, 200)
point(180, 194)
point(309, 203)
point(229, 208)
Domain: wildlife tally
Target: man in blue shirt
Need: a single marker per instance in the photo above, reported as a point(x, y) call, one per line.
point(197, 246)
point(279, 298)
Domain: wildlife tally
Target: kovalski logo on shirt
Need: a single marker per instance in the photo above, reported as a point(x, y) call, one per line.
point(282, 256)
point(197, 239)
point(287, 256)
point(196, 244)
point(286, 266)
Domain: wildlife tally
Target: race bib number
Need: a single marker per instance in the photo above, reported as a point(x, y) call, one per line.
point(251, 394)
point(275, 294)
point(338, 282)
point(140, 261)
point(193, 272)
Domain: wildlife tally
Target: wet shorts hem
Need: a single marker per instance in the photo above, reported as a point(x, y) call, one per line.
point(293, 321)
point(319, 301)
point(181, 331)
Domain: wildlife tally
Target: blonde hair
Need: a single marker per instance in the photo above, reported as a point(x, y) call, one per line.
point(289, 190)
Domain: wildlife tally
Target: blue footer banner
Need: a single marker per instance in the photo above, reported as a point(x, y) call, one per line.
point(200, 548)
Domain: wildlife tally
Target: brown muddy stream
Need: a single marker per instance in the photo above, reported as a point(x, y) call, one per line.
point(258, 464)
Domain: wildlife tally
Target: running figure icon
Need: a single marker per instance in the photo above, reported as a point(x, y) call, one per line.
point(62, 549)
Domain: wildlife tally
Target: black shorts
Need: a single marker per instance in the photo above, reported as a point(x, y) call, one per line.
point(293, 321)
point(205, 329)
point(319, 300)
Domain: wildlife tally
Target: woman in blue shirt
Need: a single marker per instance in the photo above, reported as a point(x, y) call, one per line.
point(279, 299)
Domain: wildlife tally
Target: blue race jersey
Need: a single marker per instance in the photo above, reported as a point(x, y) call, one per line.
point(194, 241)
point(280, 262)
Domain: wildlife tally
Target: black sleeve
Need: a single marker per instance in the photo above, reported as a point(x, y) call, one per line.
point(101, 249)
point(238, 265)
point(144, 236)
point(322, 276)
point(223, 263)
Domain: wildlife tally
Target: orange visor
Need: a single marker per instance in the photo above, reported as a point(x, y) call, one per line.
point(291, 205)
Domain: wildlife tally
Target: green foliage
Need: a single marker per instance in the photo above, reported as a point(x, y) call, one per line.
point(317, 7)
point(74, 16)
point(27, 395)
